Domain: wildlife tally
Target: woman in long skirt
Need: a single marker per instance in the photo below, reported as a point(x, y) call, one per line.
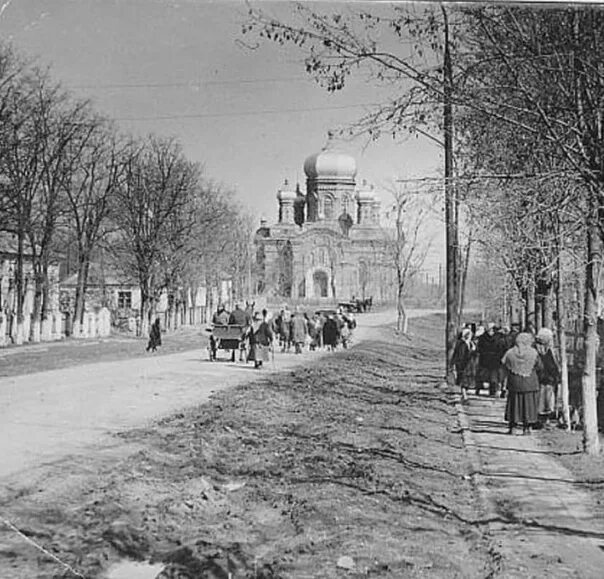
point(523, 366)
point(261, 337)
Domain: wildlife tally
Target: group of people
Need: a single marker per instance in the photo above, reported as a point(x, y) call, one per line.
point(288, 329)
point(510, 362)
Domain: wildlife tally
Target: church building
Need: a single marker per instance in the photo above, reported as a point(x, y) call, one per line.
point(328, 241)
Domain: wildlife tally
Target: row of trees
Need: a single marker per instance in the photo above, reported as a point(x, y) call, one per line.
point(68, 177)
point(515, 96)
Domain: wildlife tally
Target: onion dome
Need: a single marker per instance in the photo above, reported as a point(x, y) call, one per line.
point(365, 193)
point(285, 193)
point(330, 163)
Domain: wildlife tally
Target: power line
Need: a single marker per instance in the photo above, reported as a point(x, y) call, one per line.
point(196, 84)
point(246, 113)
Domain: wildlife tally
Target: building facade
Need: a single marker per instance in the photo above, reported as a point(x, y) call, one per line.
point(328, 242)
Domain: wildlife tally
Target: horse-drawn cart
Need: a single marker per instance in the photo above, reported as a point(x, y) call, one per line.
point(230, 338)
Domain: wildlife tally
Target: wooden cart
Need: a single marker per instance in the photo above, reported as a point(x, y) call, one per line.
point(230, 338)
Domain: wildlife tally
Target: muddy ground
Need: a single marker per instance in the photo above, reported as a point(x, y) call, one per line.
point(354, 467)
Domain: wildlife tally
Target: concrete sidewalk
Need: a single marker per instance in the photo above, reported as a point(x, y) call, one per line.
point(542, 523)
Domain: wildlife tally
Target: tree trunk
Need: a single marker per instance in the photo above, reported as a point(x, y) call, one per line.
point(452, 245)
point(82, 282)
point(145, 309)
point(561, 322)
point(538, 312)
point(530, 307)
point(17, 333)
point(548, 313)
point(45, 326)
point(34, 328)
point(591, 441)
point(524, 309)
point(402, 323)
point(463, 281)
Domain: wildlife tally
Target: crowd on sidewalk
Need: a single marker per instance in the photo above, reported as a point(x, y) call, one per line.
point(262, 332)
point(508, 362)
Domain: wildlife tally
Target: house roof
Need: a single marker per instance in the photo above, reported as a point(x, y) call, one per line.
point(99, 277)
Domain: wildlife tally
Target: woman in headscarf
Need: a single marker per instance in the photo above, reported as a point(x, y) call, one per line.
point(465, 351)
point(260, 336)
point(523, 367)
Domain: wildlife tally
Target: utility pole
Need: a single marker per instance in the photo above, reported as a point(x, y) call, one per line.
point(451, 206)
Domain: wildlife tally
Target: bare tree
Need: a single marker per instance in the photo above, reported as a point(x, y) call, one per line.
point(96, 172)
point(151, 212)
point(405, 245)
point(41, 120)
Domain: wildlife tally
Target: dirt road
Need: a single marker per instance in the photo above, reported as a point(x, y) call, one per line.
point(47, 415)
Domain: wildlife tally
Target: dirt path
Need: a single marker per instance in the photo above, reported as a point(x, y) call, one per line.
point(47, 415)
point(544, 524)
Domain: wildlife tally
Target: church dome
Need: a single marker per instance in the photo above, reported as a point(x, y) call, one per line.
point(366, 193)
point(330, 163)
point(286, 194)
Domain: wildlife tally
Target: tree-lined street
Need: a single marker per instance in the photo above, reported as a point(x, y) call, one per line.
point(415, 311)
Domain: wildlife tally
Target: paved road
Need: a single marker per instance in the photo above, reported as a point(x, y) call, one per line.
point(49, 415)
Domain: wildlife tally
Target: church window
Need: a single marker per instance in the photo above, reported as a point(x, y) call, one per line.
point(346, 204)
point(345, 222)
point(328, 208)
point(320, 284)
point(286, 269)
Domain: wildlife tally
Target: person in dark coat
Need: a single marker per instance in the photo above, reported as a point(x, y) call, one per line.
point(154, 336)
point(490, 350)
point(463, 354)
point(298, 331)
point(523, 367)
point(238, 317)
point(220, 318)
point(330, 333)
point(260, 337)
point(549, 378)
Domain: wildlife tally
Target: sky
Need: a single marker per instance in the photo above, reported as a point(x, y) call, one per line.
point(182, 69)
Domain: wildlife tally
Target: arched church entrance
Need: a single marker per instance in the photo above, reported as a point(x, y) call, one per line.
point(320, 284)
point(317, 283)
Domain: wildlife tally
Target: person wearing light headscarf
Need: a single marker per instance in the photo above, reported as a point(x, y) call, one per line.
point(462, 360)
point(260, 336)
point(523, 367)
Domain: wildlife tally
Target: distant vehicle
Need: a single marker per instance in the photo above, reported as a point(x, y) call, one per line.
point(350, 306)
point(226, 337)
point(327, 312)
